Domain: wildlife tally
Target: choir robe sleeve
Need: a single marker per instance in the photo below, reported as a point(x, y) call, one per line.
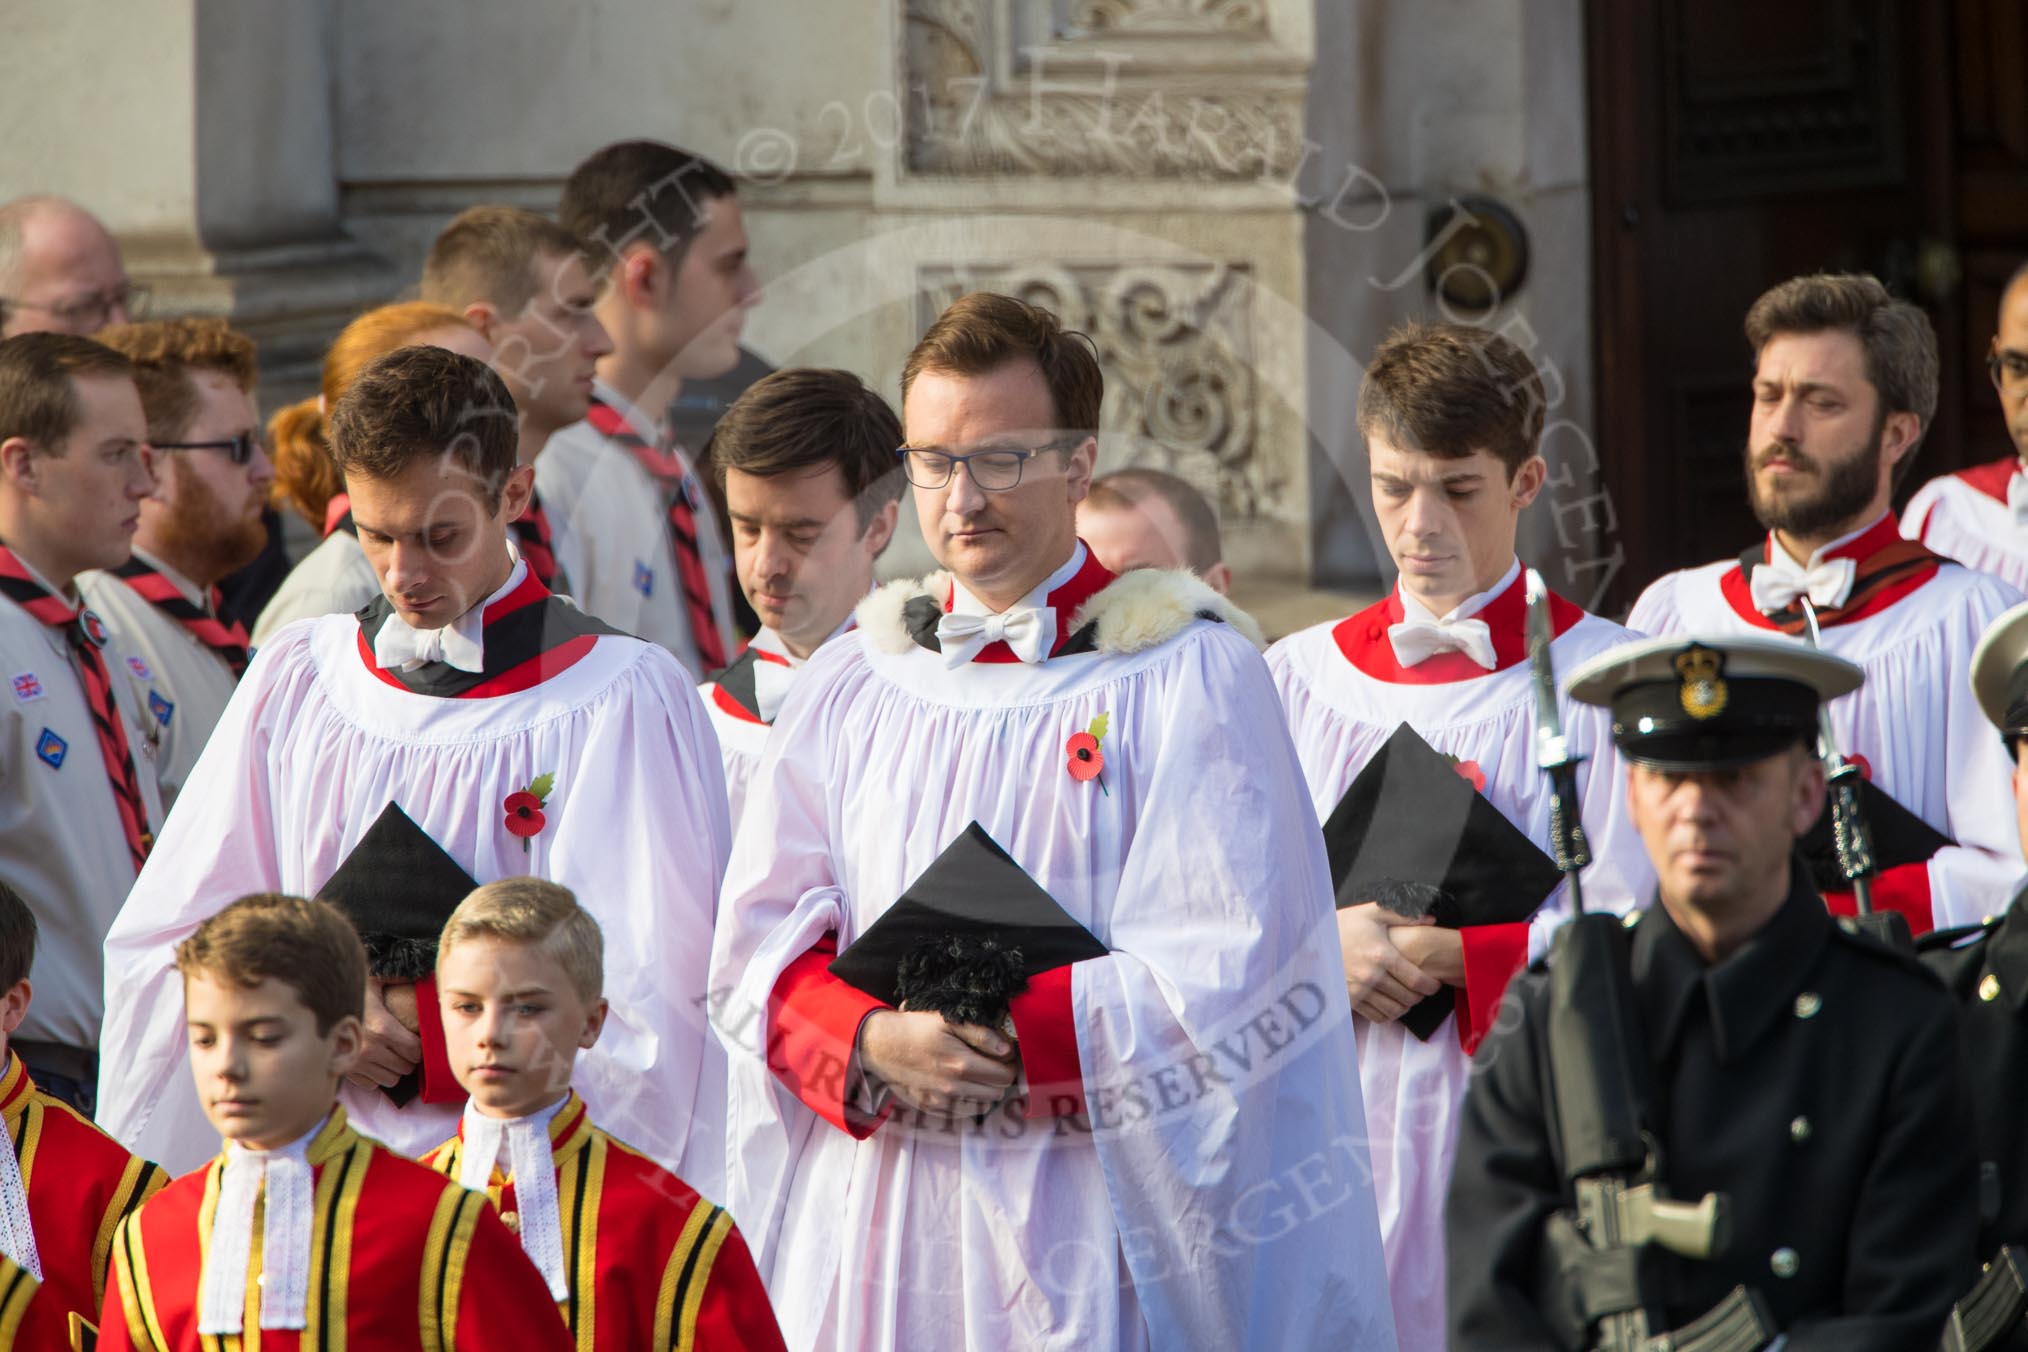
point(1973, 879)
point(146, 1101)
point(1213, 1044)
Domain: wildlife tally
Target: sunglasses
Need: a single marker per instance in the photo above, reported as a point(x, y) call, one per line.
point(239, 450)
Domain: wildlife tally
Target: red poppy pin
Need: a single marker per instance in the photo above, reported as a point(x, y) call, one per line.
point(524, 808)
point(1469, 771)
point(1086, 752)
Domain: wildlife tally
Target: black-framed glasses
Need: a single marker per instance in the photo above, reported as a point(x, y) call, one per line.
point(2009, 370)
point(92, 312)
point(995, 469)
point(239, 450)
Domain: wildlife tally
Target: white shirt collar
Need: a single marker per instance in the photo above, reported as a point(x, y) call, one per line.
point(770, 641)
point(1774, 542)
point(70, 593)
point(461, 643)
point(964, 603)
point(282, 1175)
point(541, 1118)
point(1414, 611)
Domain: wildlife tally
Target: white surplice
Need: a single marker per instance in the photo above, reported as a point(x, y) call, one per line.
point(314, 746)
point(1915, 723)
point(1339, 716)
point(1978, 516)
point(743, 732)
point(1219, 1196)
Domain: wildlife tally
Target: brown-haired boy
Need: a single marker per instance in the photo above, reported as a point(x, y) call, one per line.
point(356, 1246)
point(65, 1186)
point(631, 1254)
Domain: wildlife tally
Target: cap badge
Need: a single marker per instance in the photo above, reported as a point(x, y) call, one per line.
point(1702, 670)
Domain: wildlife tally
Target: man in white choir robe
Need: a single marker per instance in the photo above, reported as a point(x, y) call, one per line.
point(520, 735)
point(1166, 1152)
point(1452, 417)
point(1844, 386)
point(1979, 515)
point(805, 460)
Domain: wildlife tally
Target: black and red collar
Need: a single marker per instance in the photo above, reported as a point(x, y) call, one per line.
point(201, 621)
point(1362, 638)
point(1065, 600)
point(531, 636)
point(1889, 568)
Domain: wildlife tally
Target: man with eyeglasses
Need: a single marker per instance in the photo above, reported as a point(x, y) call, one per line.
point(1138, 1126)
point(60, 271)
point(78, 800)
point(196, 378)
point(1979, 515)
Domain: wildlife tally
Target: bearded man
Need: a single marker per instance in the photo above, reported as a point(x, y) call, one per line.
point(212, 472)
point(1844, 386)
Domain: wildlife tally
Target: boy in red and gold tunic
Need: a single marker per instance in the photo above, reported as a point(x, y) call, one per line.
point(634, 1258)
point(302, 1233)
point(67, 1185)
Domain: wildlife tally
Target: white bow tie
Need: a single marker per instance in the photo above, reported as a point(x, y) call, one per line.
point(532, 1168)
point(17, 1228)
point(2017, 497)
point(1777, 583)
point(1025, 631)
point(397, 647)
point(285, 1240)
point(1416, 641)
point(771, 682)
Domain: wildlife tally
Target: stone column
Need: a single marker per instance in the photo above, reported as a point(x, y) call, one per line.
point(200, 132)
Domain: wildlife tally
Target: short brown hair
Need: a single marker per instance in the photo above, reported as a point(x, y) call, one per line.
point(489, 253)
point(38, 391)
point(1450, 390)
point(166, 351)
point(17, 938)
point(308, 946)
point(805, 416)
point(1900, 344)
point(641, 192)
point(535, 912)
point(421, 402)
point(1124, 490)
point(982, 332)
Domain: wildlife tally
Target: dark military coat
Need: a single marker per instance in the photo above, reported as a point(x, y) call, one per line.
point(1986, 970)
point(1811, 1076)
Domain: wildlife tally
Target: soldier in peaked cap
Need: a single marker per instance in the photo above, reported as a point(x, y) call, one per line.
point(1986, 968)
point(1804, 1071)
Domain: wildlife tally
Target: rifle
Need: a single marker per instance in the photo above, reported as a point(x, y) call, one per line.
point(1849, 828)
point(1993, 1308)
point(1598, 1276)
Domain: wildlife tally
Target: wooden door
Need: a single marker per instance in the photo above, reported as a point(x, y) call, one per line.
point(1736, 143)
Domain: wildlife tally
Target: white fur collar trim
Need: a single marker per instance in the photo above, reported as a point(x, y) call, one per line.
point(1135, 611)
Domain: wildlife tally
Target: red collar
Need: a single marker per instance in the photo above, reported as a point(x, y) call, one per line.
point(1876, 537)
point(336, 510)
point(1088, 581)
point(1738, 593)
point(1362, 638)
point(15, 1086)
point(1992, 477)
point(509, 673)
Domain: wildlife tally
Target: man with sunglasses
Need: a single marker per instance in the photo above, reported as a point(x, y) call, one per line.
point(1155, 1144)
point(1979, 515)
point(196, 378)
point(60, 271)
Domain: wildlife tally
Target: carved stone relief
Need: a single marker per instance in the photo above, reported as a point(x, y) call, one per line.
point(1175, 342)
